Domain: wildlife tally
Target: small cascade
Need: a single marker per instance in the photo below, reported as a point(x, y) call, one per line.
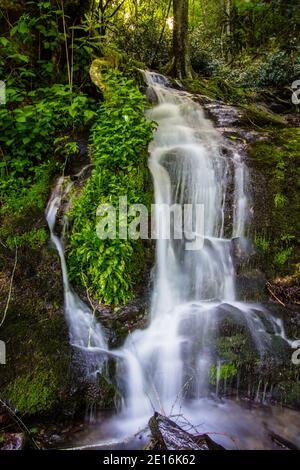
point(85, 333)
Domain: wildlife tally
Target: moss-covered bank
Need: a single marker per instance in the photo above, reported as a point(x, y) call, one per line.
point(277, 159)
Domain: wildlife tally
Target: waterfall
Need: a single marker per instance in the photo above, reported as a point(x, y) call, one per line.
point(167, 365)
point(169, 362)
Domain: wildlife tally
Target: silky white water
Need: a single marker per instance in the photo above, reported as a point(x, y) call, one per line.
point(169, 362)
point(166, 366)
point(85, 332)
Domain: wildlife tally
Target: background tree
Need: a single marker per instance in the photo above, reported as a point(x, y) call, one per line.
point(181, 66)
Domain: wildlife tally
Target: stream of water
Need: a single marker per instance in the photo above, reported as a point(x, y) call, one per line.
point(166, 366)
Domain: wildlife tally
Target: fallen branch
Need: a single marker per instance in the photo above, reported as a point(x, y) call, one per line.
point(167, 435)
point(20, 423)
point(273, 294)
point(281, 441)
point(10, 289)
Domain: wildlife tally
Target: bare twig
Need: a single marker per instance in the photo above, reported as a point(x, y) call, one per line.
point(19, 422)
point(66, 42)
point(273, 294)
point(180, 394)
point(10, 288)
point(94, 308)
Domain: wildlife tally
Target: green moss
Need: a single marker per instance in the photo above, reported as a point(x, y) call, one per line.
point(225, 372)
point(26, 227)
point(237, 349)
point(261, 116)
point(277, 159)
point(262, 243)
point(37, 375)
point(35, 392)
point(31, 239)
point(219, 88)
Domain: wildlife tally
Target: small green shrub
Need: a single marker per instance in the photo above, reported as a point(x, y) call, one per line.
point(282, 256)
point(280, 200)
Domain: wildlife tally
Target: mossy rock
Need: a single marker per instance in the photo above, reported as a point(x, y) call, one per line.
point(41, 376)
point(35, 392)
point(219, 88)
point(276, 223)
point(258, 115)
point(237, 349)
point(38, 353)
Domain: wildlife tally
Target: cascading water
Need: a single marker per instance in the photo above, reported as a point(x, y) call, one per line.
point(85, 333)
point(165, 367)
point(168, 363)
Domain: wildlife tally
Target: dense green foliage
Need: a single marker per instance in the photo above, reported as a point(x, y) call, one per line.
point(40, 116)
point(120, 137)
point(29, 127)
point(248, 41)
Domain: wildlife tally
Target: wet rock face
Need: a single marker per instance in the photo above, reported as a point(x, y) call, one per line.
point(167, 435)
point(250, 284)
point(224, 116)
point(228, 120)
point(119, 321)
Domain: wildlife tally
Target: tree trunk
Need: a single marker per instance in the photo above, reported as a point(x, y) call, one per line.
point(205, 22)
point(182, 67)
point(228, 17)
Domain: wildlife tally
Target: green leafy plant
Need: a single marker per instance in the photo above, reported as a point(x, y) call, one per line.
point(119, 142)
point(29, 126)
point(285, 250)
point(262, 243)
point(282, 256)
